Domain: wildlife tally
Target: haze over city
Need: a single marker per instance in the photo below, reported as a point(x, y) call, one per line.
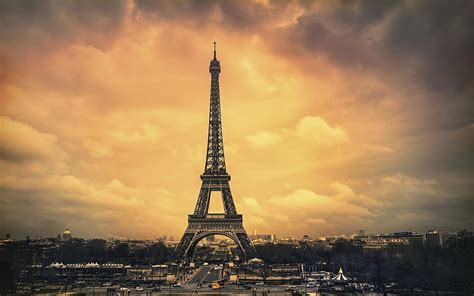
point(337, 116)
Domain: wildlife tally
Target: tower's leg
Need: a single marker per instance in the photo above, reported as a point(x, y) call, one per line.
point(180, 251)
point(247, 246)
point(235, 232)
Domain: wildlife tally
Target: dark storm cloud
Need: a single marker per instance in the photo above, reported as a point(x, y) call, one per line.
point(359, 14)
point(436, 34)
point(30, 24)
point(234, 14)
point(425, 46)
point(315, 38)
point(441, 33)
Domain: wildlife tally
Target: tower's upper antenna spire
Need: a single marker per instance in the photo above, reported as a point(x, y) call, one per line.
point(215, 50)
point(215, 65)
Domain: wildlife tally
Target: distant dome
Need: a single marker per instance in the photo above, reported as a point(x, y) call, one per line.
point(67, 235)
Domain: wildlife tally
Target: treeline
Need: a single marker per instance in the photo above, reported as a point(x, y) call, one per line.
point(410, 267)
point(97, 251)
point(341, 252)
point(22, 254)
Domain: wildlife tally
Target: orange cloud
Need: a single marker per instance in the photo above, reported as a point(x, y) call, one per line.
point(334, 117)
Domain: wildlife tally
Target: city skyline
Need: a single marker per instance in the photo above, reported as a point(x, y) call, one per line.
point(254, 235)
point(336, 116)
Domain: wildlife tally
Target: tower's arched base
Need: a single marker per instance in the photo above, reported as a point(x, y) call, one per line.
point(200, 226)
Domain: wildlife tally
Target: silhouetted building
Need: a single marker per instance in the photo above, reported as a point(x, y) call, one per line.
point(67, 235)
point(433, 239)
point(381, 241)
point(262, 238)
point(448, 238)
point(411, 237)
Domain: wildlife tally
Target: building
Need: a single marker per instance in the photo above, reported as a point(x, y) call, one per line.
point(376, 242)
point(322, 243)
point(262, 238)
point(382, 241)
point(411, 237)
point(433, 239)
point(436, 239)
point(67, 235)
point(448, 238)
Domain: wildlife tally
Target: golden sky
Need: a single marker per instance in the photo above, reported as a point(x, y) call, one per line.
point(337, 116)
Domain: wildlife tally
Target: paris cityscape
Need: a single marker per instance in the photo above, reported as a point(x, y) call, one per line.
point(340, 173)
point(304, 264)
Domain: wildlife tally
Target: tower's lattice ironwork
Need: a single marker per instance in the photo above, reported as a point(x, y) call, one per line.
point(214, 178)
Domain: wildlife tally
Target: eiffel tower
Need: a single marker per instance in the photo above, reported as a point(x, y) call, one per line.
point(215, 178)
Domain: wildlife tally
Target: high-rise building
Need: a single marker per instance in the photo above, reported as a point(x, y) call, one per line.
point(433, 239)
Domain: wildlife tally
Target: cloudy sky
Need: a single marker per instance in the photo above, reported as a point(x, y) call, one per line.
point(337, 115)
